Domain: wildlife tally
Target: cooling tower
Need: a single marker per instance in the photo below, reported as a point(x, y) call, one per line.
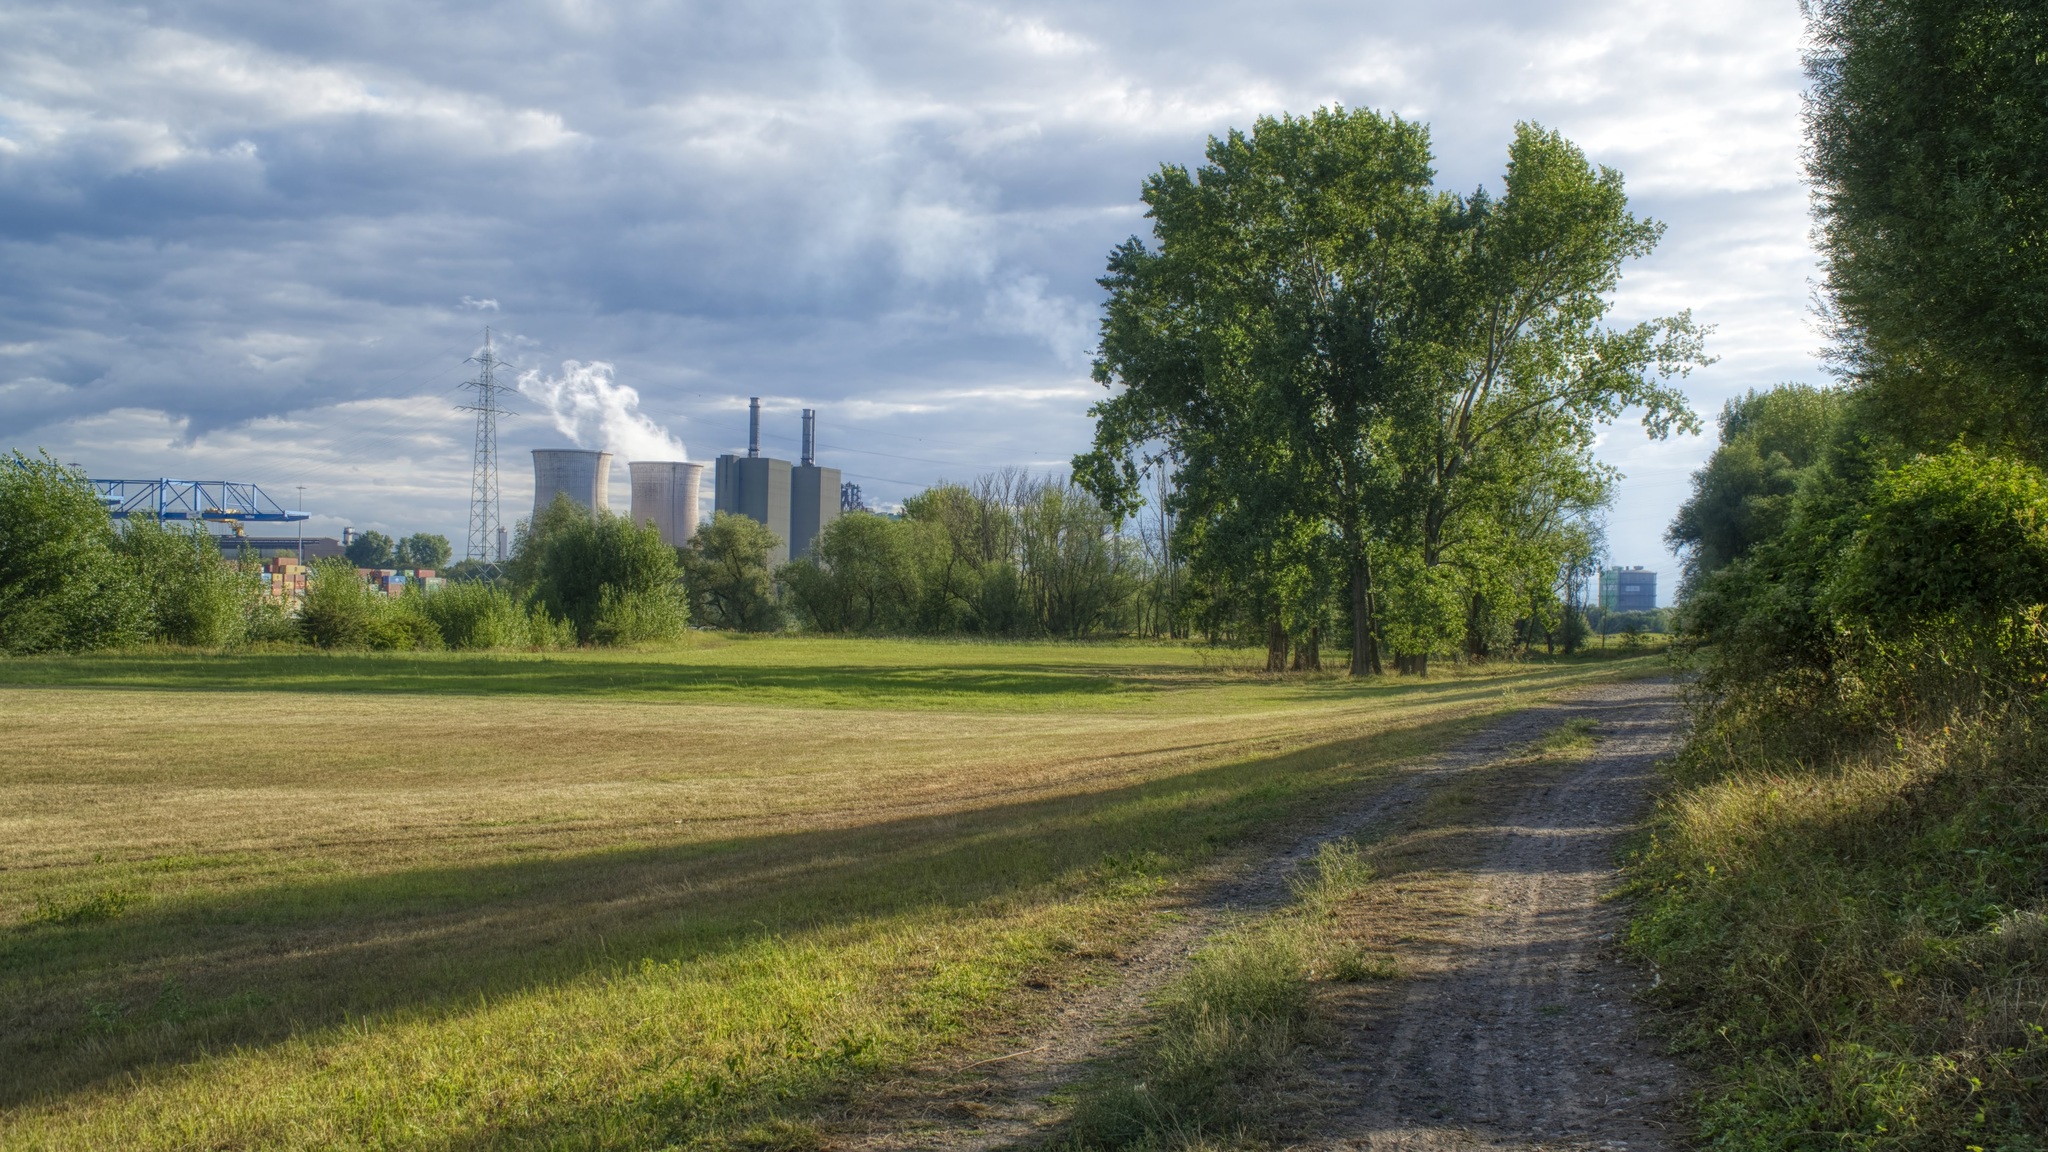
point(665, 492)
point(585, 476)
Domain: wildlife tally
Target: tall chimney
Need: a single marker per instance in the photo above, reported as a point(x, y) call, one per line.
point(753, 426)
point(810, 436)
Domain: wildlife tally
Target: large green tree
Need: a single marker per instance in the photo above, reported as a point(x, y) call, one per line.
point(1321, 343)
point(1510, 369)
point(613, 581)
point(1251, 344)
point(1928, 135)
point(726, 570)
point(1770, 441)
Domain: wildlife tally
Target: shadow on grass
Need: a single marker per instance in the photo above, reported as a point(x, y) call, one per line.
point(166, 982)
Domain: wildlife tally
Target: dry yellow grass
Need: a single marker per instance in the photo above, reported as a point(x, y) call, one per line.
point(334, 916)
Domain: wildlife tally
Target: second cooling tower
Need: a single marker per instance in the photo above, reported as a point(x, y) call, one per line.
point(582, 475)
point(665, 493)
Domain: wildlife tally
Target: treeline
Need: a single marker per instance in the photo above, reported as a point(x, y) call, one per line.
point(1007, 555)
point(72, 581)
point(1848, 895)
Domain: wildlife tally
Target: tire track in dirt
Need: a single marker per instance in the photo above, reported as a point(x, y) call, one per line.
point(1517, 1027)
point(1393, 1081)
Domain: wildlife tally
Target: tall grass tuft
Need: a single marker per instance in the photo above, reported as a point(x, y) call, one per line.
point(1228, 1033)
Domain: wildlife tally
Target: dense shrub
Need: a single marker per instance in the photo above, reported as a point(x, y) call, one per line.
point(64, 585)
point(1847, 893)
point(476, 615)
point(1957, 537)
point(612, 581)
point(341, 611)
point(192, 595)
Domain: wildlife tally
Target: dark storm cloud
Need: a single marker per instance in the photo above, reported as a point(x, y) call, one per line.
point(248, 239)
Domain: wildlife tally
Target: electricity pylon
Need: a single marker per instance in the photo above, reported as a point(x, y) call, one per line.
point(486, 524)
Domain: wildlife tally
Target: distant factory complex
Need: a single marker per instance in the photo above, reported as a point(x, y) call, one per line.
point(1631, 589)
point(796, 502)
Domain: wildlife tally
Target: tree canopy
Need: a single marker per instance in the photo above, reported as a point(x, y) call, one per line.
point(1363, 382)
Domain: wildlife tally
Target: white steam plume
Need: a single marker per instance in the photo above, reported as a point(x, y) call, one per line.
point(594, 412)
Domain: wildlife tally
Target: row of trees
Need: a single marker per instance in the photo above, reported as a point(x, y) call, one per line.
point(429, 550)
point(71, 580)
point(1007, 555)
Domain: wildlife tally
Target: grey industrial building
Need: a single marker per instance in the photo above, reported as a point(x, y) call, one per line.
point(1628, 589)
point(795, 502)
point(813, 493)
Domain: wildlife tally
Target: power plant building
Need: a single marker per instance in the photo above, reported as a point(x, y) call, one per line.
point(583, 475)
point(796, 503)
point(813, 494)
point(1628, 589)
point(665, 495)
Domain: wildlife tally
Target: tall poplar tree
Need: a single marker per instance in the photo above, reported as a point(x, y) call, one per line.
point(1252, 343)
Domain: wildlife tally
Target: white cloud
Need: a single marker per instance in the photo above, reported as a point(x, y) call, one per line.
point(231, 232)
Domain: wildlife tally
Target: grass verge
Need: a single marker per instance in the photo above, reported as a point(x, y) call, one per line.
point(1858, 948)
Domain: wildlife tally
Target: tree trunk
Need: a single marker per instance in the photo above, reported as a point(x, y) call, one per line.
point(1365, 649)
point(1276, 645)
point(1308, 656)
point(1476, 647)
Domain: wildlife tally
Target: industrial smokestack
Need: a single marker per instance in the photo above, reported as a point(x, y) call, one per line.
point(810, 437)
point(753, 427)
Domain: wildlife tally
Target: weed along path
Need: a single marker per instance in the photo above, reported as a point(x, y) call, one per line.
point(1461, 992)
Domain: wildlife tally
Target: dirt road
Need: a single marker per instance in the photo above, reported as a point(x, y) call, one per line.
point(1513, 1025)
point(1516, 1027)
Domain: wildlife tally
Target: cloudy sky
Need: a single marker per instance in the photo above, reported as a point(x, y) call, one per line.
point(257, 240)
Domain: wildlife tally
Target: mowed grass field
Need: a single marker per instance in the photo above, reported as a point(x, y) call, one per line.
point(690, 897)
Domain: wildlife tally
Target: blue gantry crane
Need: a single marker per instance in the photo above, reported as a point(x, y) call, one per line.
point(219, 501)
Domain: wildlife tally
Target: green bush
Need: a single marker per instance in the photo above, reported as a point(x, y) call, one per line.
point(401, 624)
point(579, 567)
point(341, 611)
point(193, 595)
point(637, 616)
point(64, 586)
point(1958, 537)
point(476, 615)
